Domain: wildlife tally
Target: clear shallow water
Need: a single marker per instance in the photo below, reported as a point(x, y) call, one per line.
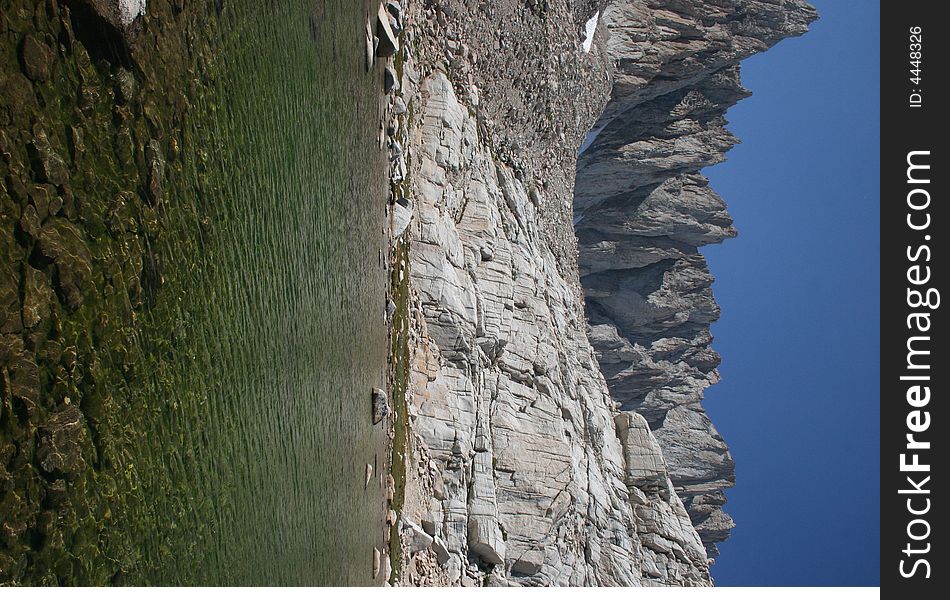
point(266, 330)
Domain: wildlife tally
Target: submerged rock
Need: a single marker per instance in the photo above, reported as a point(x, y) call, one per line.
point(19, 374)
point(36, 57)
point(37, 296)
point(61, 443)
point(124, 86)
point(17, 90)
point(156, 171)
point(371, 42)
point(10, 318)
point(62, 242)
point(51, 166)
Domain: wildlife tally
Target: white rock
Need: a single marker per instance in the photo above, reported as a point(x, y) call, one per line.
point(414, 537)
point(401, 216)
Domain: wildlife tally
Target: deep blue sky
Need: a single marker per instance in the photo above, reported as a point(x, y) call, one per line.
point(799, 290)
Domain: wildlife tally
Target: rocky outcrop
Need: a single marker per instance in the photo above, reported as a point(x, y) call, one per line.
point(534, 485)
point(553, 442)
point(642, 210)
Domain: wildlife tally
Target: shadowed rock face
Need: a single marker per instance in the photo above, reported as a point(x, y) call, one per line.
point(642, 210)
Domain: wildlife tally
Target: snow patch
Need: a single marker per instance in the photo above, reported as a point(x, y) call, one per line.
point(589, 139)
point(590, 28)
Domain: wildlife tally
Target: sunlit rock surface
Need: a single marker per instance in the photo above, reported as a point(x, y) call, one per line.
point(556, 380)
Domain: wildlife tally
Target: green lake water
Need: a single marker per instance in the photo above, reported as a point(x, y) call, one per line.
point(232, 440)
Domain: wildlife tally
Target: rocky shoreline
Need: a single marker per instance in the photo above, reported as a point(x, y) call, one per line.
point(555, 432)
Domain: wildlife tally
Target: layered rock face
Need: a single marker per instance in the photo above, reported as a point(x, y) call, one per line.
point(536, 478)
point(548, 450)
point(642, 210)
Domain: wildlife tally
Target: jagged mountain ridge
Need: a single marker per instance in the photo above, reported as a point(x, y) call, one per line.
point(642, 210)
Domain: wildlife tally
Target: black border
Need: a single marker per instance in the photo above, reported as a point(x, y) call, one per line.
point(904, 129)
